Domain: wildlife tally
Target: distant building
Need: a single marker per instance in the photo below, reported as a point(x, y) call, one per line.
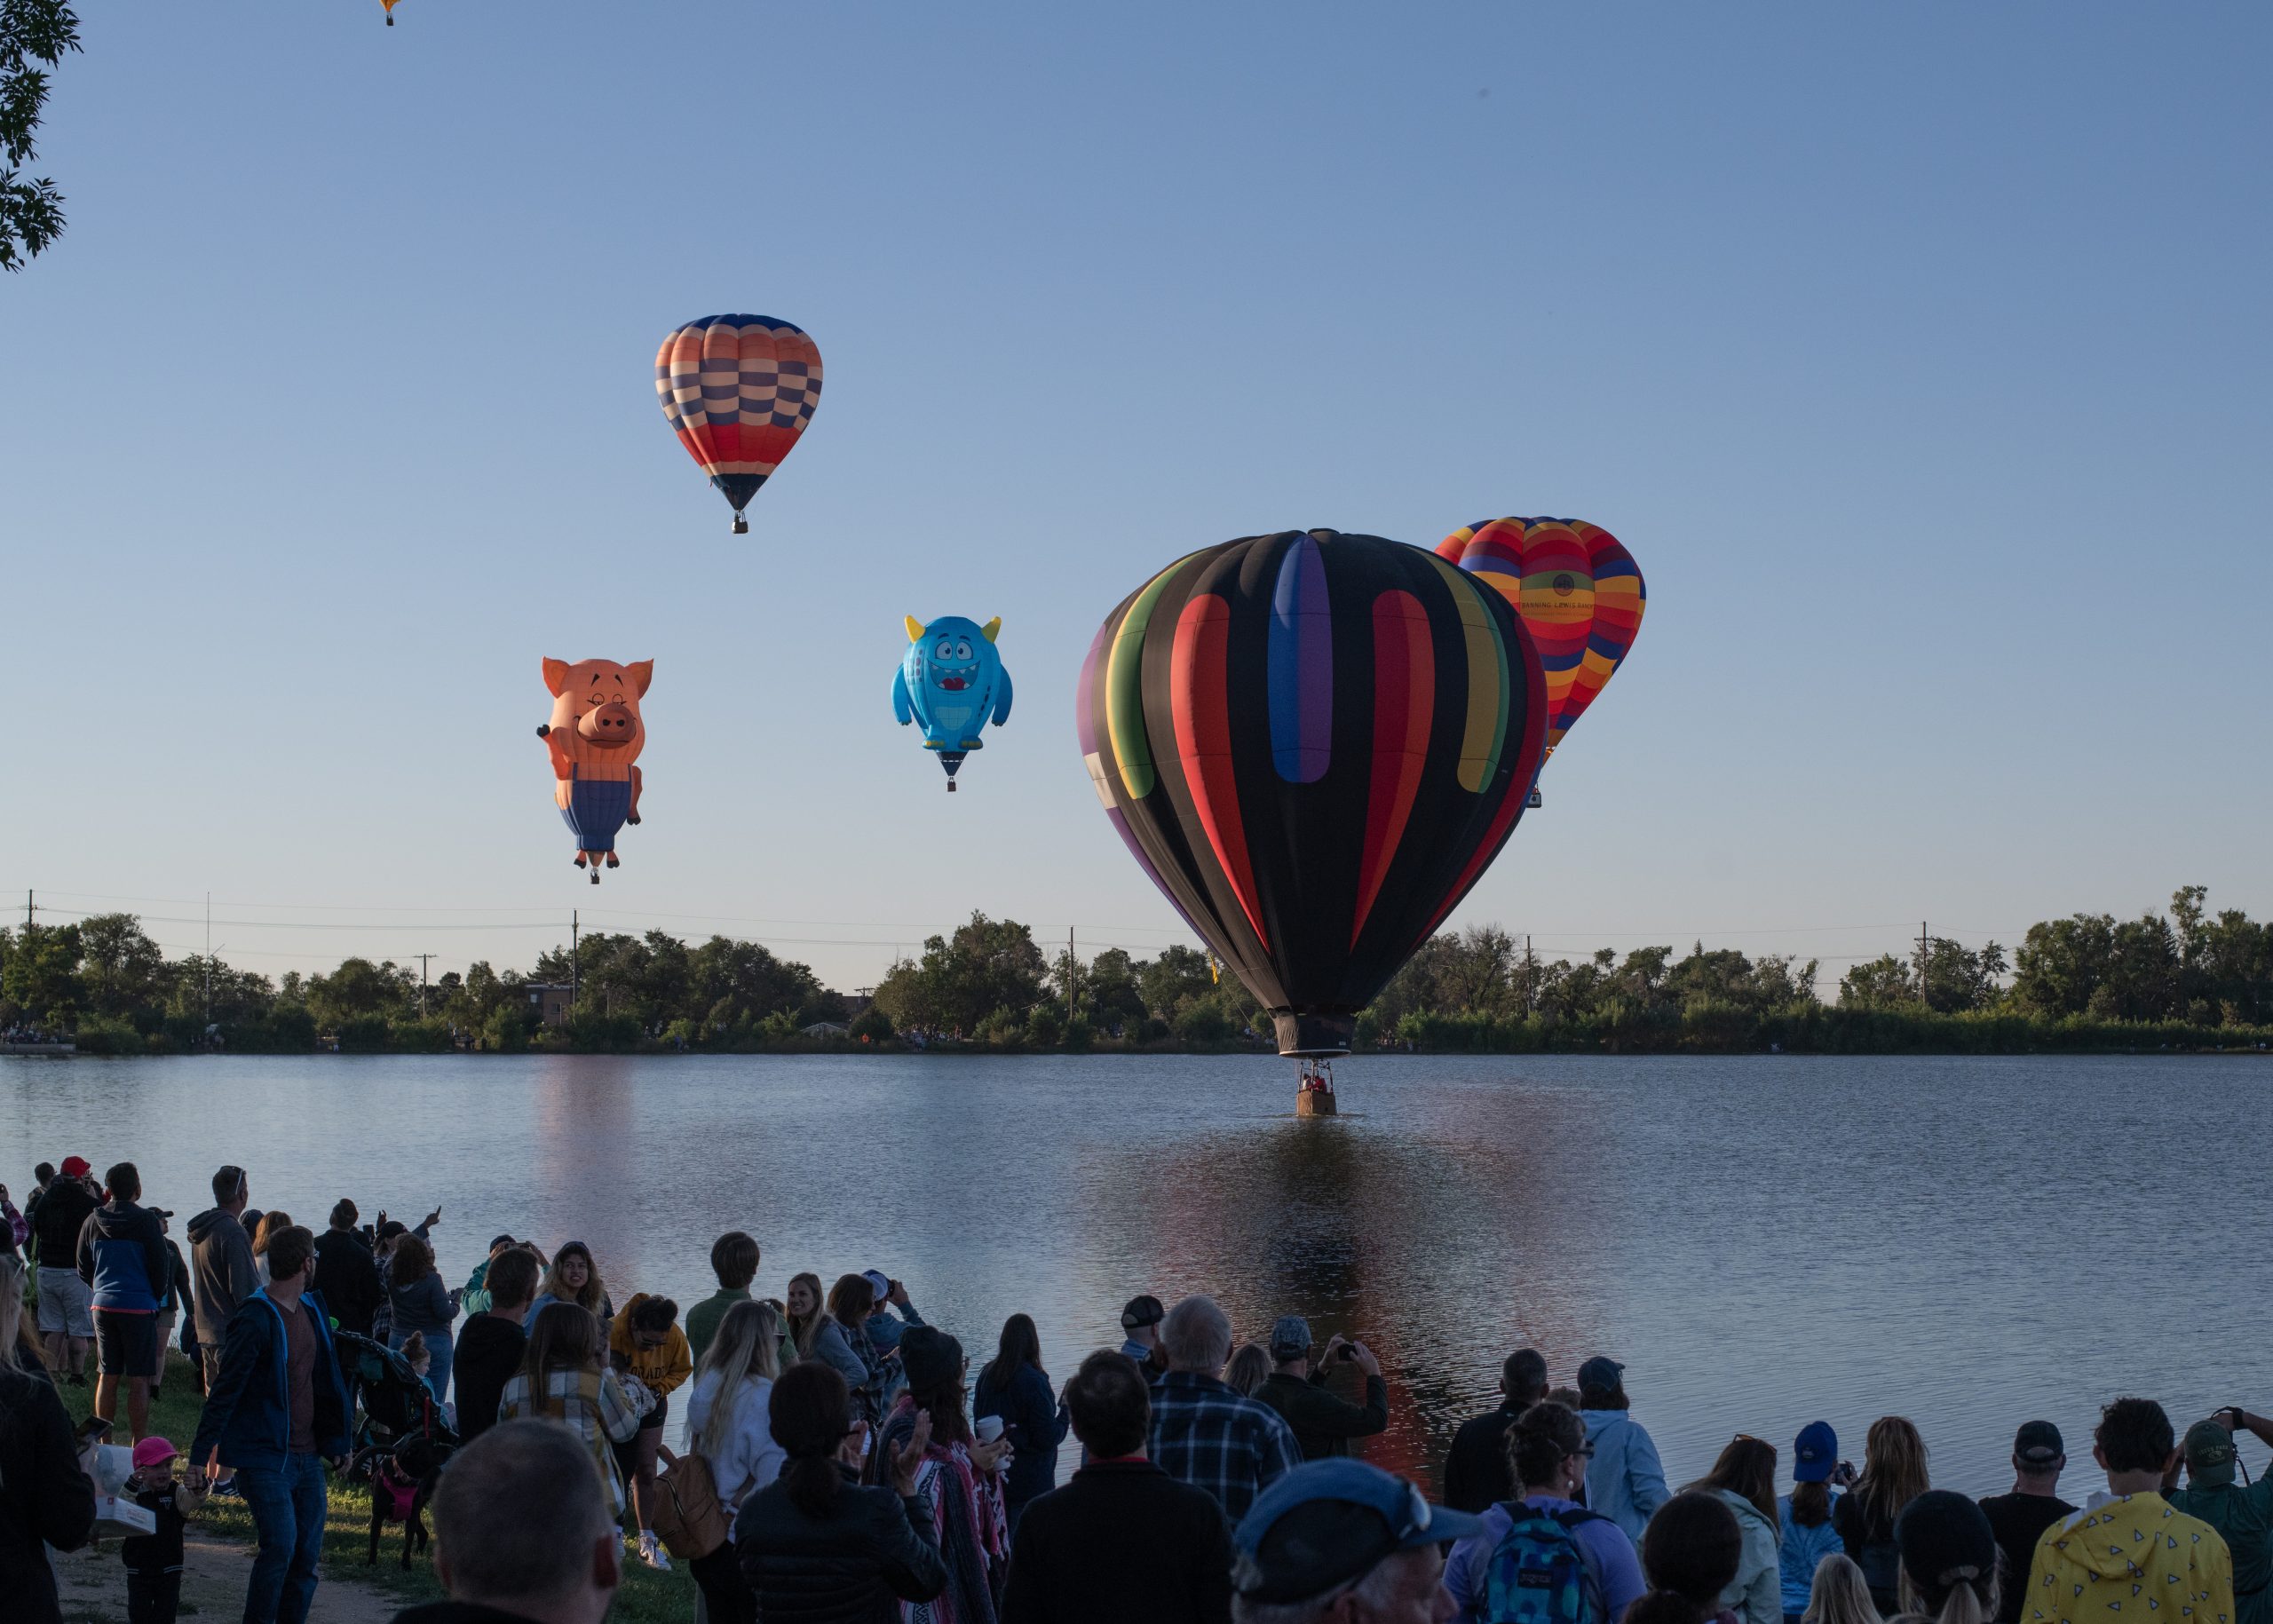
point(826, 1029)
point(550, 1001)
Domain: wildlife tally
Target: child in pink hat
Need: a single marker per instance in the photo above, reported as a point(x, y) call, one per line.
point(153, 1560)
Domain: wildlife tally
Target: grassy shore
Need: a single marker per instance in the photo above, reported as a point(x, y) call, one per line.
point(647, 1597)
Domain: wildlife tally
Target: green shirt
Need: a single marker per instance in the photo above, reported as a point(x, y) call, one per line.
point(2244, 1518)
point(702, 1318)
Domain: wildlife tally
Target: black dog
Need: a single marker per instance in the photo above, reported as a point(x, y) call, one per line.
point(401, 1484)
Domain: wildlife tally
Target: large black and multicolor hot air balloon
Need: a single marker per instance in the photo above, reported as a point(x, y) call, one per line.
point(737, 390)
point(1314, 743)
point(1579, 595)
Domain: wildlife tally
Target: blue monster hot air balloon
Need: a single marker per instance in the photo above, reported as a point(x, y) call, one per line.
point(952, 682)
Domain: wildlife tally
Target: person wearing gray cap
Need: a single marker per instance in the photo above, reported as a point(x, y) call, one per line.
point(1343, 1542)
point(2243, 1515)
point(1324, 1422)
point(2019, 1519)
point(1626, 1481)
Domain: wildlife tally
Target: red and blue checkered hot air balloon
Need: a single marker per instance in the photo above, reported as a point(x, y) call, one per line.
point(738, 391)
point(1315, 744)
point(1579, 595)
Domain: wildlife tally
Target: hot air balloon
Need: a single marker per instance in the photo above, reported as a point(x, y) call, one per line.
point(1314, 744)
point(952, 682)
point(738, 391)
point(594, 738)
point(1580, 594)
point(389, 5)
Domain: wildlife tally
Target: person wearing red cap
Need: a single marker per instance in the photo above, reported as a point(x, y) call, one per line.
point(67, 1325)
point(153, 1560)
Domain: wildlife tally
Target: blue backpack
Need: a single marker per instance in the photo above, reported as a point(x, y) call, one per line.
point(1537, 1573)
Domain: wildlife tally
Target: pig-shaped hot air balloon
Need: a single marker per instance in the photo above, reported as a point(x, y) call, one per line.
point(595, 736)
point(952, 682)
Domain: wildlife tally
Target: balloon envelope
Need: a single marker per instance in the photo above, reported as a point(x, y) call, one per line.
point(737, 390)
point(1580, 594)
point(1314, 743)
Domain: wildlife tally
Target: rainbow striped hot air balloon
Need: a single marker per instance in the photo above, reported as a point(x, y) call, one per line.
point(1580, 594)
point(1314, 743)
point(737, 390)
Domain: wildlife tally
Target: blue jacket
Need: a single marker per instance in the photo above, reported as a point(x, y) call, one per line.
point(248, 1410)
point(1625, 1481)
point(1036, 1424)
point(1803, 1551)
point(123, 1256)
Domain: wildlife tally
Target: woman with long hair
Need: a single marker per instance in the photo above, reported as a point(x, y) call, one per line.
point(564, 1378)
point(1894, 1474)
point(270, 1223)
point(1016, 1386)
point(19, 1343)
point(1838, 1595)
point(726, 1425)
point(803, 1305)
point(572, 1278)
point(1949, 1561)
point(814, 1543)
point(834, 1335)
point(1548, 1456)
point(960, 1482)
point(1250, 1369)
point(1690, 1551)
point(1744, 1478)
point(1803, 1515)
point(420, 1304)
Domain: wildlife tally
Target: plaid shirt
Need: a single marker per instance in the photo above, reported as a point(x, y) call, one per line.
point(1206, 1435)
point(590, 1403)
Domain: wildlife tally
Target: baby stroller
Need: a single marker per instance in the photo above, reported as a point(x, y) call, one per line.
point(401, 1437)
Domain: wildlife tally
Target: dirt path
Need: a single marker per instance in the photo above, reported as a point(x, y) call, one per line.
point(213, 1586)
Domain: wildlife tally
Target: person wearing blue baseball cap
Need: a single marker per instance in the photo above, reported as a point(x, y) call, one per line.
point(1627, 1482)
point(1343, 1542)
point(1804, 1514)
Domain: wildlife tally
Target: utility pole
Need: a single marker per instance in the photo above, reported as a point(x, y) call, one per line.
point(1069, 976)
point(1922, 961)
point(208, 958)
point(1530, 978)
point(576, 976)
point(422, 984)
point(28, 915)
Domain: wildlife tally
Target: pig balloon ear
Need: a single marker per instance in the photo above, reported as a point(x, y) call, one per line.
point(914, 628)
point(991, 628)
point(556, 677)
point(641, 672)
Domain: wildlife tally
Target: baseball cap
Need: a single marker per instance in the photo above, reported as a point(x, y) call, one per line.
point(1944, 1537)
point(2037, 1444)
point(928, 1356)
point(879, 1282)
point(1141, 1312)
point(75, 1167)
point(1815, 1454)
point(152, 1452)
point(2209, 1454)
point(1600, 1371)
point(1290, 1337)
point(1328, 1522)
point(501, 1241)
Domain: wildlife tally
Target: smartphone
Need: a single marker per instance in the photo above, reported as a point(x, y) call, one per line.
point(94, 1429)
point(1349, 1350)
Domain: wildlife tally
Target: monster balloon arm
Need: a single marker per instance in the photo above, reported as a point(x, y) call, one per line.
point(1003, 700)
point(564, 764)
point(902, 706)
point(637, 782)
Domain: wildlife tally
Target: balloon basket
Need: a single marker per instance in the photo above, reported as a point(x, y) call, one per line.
point(951, 786)
point(1314, 1093)
point(741, 524)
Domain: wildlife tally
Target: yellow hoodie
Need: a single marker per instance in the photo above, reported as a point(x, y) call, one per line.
point(2131, 1560)
point(662, 1368)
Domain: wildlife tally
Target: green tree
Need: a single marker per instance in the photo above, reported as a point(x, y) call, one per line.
point(124, 972)
point(1169, 982)
point(31, 212)
point(39, 979)
point(2061, 963)
point(1886, 982)
point(359, 992)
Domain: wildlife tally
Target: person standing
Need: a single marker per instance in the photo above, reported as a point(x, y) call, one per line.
point(1015, 1387)
point(1203, 1433)
point(66, 1325)
point(646, 1341)
point(277, 1412)
point(420, 1303)
point(473, 1296)
point(1123, 1542)
point(728, 1426)
point(574, 1277)
point(1805, 1515)
point(493, 1345)
point(1744, 1478)
point(2132, 1556)
point(959, 1482)
point(172, 1305)
point(2018, 1519)
point(521, 1532)
point(1626, 1482)
point(45, 1498)
point(153, 1560)
point(734, 1258)
point(1690, 1553)
point(1477, 1471)
point(1140, 1331)
point(346, 1273)
point(1547, 1450)
point(220, 1266)
point(1949, 1560)
point(122, 1259)
point(565, 1379)
point(885, 1325)
point(1323, 1422)
point(1344, 1541)
point(2242, 1516)
point(1894, 1474)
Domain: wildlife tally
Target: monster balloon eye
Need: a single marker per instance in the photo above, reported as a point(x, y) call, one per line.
point(952, 705)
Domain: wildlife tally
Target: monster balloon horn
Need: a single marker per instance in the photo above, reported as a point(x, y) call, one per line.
point(951, 681)
point(595, 738)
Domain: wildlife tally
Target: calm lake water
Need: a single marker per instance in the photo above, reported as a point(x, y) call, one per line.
point(1764, 1241)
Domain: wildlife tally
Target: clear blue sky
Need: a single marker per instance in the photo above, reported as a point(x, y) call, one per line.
point(1920, 353)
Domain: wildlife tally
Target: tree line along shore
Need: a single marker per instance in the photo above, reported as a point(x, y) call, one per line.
point(2184, 979)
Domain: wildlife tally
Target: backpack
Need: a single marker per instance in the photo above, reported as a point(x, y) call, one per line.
point(1538, 1574)
point(689, 1518)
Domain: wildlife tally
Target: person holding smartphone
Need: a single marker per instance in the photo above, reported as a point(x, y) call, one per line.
point(1324, 1422)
